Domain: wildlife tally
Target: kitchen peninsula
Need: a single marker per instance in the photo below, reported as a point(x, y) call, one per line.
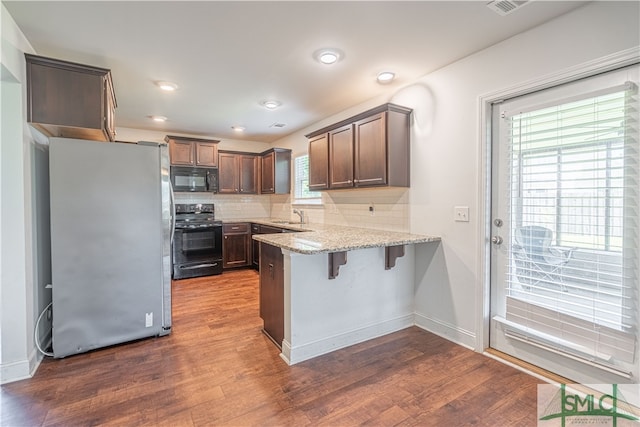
point(339, 285)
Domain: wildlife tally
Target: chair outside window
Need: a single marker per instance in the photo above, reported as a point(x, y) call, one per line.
point(537, 261)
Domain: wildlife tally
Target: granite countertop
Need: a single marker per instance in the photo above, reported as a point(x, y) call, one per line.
point(322, 238)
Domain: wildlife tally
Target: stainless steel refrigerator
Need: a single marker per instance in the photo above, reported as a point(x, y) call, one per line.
point(111, 227)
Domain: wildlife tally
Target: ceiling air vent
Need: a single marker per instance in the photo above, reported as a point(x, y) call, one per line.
point(277, 125)
point(505, 7)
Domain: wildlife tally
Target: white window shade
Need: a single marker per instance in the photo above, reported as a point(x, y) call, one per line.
point(573, 253)
point(301, 186)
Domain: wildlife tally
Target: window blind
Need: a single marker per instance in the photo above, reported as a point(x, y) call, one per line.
point(573, 251)
point(301, 172)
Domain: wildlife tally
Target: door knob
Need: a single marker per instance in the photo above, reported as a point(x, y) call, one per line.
point(496, 239)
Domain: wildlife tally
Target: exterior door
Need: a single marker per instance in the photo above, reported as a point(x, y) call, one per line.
point(564, 255)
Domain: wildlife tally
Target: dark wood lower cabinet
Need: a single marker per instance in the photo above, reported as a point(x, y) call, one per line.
point(236, 245)
point(272, 292)
point(255, 247)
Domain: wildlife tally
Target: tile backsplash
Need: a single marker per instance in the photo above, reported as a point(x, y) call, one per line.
point(350, 207)
point(231, 206)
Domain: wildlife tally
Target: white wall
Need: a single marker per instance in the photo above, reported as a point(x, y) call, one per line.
point(363, 302)
point(446, 150)
point(20, 297)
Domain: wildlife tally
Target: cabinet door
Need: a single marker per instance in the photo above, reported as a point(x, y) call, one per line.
point(248, 174)
point(267, 185)
point(228, 173)
point(370, 157)
point(206, 154)
point(272, 292)
point(255, 246)
point(235, 250)
point(66, 100)
point(181, 153)
point(341, 157)
point(319, 162)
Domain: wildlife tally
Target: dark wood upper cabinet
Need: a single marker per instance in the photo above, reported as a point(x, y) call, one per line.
point(341, 157)
point(275, 171)
point(186, 151)
point(228, 178)
point(370, 147)
point(70, 100)
point(319, 162)
point(368, 150)
point(237, 173)
point(254, 173)
point(248, 174)
point(206, 154)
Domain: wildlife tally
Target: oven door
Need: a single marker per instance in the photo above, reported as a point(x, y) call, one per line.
point(197, 252)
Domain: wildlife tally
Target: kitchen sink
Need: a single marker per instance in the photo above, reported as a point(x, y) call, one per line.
point(284, 221)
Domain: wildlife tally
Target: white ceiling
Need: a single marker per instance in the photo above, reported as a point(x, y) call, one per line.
point(226, 57)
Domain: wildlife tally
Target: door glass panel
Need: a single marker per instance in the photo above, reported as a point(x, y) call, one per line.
point(565, 181)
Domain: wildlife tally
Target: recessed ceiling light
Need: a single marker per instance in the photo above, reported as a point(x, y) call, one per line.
point(158, 118)
point(237, 128)
point(271, 104)
point(328, 56)
point(167, 86)
point(386, 77)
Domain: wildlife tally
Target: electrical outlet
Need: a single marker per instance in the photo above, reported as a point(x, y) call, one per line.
point(461, 213)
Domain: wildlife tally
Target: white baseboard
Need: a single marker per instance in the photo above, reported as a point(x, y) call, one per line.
point(293, 355)
point(15, 371)
point(22, 369)
point(286, 352)
point(447, 331)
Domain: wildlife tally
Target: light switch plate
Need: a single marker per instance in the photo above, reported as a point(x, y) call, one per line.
point(461, 213)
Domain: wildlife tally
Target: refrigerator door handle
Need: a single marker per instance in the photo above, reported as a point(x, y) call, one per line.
point(173, 212)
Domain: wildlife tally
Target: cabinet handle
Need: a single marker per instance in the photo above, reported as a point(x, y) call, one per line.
point(226, 237)
point(356, 181)
point(271, 270)
point(235, 228)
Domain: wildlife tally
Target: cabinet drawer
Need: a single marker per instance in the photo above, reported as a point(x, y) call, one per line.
point(235, 227)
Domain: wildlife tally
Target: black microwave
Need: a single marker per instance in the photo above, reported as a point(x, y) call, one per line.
point(188, 179)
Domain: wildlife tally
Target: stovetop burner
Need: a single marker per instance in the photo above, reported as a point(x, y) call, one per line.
point(192, 216)
point(196, 209)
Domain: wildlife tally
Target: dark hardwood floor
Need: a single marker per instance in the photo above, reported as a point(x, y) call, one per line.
point(217, 368)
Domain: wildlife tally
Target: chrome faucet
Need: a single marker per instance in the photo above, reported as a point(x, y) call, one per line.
point(300, 213)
